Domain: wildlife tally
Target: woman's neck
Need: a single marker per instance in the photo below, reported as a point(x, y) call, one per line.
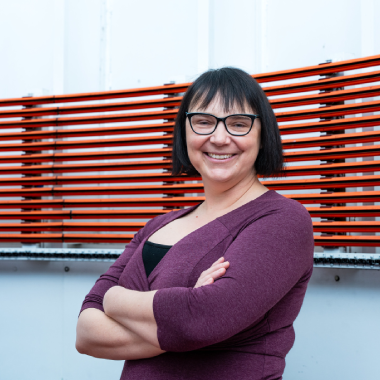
point(222, 198)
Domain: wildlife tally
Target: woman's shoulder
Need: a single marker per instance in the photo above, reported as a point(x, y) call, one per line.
point(289, 205)
point(271, 206)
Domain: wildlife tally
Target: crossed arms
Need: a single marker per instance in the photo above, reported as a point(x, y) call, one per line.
point(127, 329)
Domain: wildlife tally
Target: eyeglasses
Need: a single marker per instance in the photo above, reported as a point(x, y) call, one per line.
point(236, 125)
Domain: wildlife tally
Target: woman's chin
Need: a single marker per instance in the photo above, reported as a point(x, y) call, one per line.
point(219, 177)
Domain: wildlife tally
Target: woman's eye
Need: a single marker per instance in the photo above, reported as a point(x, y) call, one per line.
point(203, 122)
point(238, 125)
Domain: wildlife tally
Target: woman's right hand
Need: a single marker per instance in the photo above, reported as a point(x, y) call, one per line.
point(218, 269)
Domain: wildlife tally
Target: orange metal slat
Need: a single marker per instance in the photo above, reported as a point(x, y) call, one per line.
point(332, 140)
point(344, 211)
point(323, 84)
point(118, 178)
point(72, 226)
point(34, 215)
point(98, 203)
point(31, 238)
point(92, 96)
point(82, 214)
point(333, 111)
point(321, 69)
point(98, 238)
point(109, 166)
point(86, 156)
point(332, 169)
point(333, 154)
point(105, 131)
point(346, 241)
point(101, 119)
point(103, 190)
point(68, 238)
point(329, 97)
point(90, 108)
point(324, 183)
point(333, 227)
point(87, 144)
point(337, 197)
point(331, 125)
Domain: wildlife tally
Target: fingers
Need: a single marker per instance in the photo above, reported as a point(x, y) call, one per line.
point(217, 269)
point(221, 259)
point(215, 272)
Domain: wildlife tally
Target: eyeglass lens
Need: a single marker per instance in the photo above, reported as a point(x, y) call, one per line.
point(205, 124)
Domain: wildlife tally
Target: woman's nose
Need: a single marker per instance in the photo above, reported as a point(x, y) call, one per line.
point(220, 136)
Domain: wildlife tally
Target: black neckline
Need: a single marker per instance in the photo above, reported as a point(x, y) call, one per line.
point(158, 245)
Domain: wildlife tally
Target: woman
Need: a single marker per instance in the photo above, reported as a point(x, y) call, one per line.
point(222, 301)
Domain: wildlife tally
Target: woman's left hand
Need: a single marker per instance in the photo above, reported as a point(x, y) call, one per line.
point(218, 269)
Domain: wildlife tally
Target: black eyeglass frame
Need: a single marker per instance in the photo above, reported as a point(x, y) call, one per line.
point(223, 119)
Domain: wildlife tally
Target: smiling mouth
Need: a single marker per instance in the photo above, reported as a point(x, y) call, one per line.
point(219, 156)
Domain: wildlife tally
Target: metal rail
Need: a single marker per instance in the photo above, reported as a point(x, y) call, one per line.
point(325, 260)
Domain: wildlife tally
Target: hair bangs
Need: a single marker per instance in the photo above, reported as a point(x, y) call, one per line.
point(227, 89)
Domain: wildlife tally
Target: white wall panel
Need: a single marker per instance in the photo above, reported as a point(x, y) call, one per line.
point(26, 47)
point(234, 41)
point(303, 33)
point(153, 42)
point(82, 45)
point(337, 330)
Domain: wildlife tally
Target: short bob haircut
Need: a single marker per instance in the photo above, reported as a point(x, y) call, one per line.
point(235, 87)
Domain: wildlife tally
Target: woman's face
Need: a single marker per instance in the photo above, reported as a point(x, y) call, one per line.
point(205, 151)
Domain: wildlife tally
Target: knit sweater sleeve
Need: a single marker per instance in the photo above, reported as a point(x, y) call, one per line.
point(94, 299)
point(267, 259)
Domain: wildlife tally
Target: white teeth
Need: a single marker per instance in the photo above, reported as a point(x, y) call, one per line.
point(220, 156)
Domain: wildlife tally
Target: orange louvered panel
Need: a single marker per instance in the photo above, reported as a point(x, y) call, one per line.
point(94, 167)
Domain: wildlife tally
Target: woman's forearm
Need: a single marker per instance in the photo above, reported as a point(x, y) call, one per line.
point(100, 336)
point(133, 310)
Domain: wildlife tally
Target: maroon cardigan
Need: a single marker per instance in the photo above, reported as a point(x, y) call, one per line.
point(241, 326)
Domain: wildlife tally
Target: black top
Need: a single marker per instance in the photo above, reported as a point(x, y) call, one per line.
point(152, 254)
